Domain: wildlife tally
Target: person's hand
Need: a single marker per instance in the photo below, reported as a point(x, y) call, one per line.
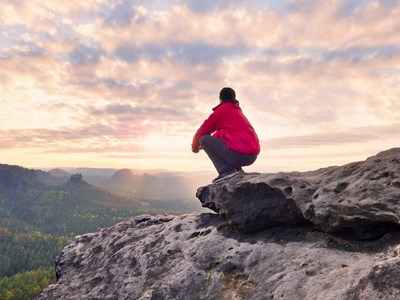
point(195, 150)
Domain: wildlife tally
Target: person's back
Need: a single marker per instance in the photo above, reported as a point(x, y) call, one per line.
point(236, 131)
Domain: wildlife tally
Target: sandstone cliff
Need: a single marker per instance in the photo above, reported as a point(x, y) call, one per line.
point(327, 234)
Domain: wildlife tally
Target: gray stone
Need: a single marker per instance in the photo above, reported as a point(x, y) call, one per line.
point(382, 282)
point(250, 204)
point(198, 256)
point(361, 199)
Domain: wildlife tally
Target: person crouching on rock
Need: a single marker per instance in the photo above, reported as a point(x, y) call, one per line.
point(227, 137)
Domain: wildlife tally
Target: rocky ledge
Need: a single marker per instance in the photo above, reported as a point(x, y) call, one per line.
point(326, 234)
point(361, 199)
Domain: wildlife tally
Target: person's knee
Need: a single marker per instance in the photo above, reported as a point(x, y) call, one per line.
point(203, 139)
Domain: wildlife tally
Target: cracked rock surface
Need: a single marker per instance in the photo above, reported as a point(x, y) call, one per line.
point(198, 256)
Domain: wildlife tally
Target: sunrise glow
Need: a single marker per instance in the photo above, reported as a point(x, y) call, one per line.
point(125, 84)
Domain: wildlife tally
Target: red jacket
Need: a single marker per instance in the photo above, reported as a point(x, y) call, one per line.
point(232, 127)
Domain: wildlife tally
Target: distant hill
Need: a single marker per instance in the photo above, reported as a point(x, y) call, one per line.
point(101, 172)
point(94, 175)
point(60, 173)
point(100, 176)
point(163, 186)
point(160, 186)
point(12, 176)
point(38, 218)
point(49, 179)
point(123, 179)
point(41, 212)
point(57, 205)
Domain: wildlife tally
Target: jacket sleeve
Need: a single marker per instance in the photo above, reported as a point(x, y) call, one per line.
point(208, 127)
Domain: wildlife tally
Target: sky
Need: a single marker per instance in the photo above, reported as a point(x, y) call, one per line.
point(126, 84)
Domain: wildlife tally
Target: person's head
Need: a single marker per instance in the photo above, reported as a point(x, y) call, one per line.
point(227, 94)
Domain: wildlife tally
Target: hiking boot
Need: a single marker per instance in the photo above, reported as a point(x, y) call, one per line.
point(228, 175)
point(224, 174)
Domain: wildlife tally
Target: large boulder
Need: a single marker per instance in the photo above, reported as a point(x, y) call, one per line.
point(361, 199)
point(250, 203)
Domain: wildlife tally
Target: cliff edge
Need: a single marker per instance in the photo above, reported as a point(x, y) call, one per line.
point(332, 233)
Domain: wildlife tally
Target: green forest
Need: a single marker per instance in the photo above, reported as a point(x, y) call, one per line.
point(37, 221)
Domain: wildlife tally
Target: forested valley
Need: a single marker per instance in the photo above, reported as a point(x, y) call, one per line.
point(37, 220)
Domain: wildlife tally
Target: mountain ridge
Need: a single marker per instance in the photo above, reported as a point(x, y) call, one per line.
point(41, 213)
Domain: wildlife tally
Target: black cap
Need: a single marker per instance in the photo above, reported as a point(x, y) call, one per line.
point(227, 94)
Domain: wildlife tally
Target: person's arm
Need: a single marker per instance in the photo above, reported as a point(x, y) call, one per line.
point(209, 126)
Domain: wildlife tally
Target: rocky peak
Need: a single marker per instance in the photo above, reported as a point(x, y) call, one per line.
point(325, 234)
point(76, 181)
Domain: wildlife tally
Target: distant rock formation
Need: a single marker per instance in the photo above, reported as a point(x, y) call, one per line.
point(15, 178)
point(76, 178)
point(326, 234)
point(76, 181)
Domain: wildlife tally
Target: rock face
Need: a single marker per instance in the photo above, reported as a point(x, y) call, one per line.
point(197, 256)
point(250, 204)
point(361, 199)
point(326, 234)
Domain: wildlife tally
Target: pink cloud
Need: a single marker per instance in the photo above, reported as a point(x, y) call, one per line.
point(95, 76)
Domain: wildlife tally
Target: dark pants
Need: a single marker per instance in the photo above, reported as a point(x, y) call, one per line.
point(225, 160)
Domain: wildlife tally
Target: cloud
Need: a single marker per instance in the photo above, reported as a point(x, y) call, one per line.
point(121, 14)
point(100, 75)
point(188, 53)
point(203, 53)
point(84, 55)
point(141, 113)
point(208, 6)
point(358, 135)
point(92, 138)
point(132, 53)
point(340, 24)
point(42, 16)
